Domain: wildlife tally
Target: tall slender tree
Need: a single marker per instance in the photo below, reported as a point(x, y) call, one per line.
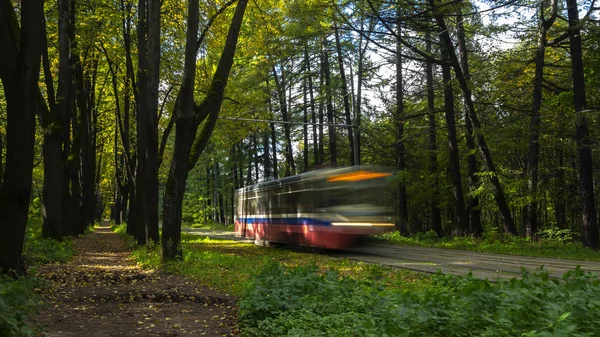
point(582, 136)
point(188, 145)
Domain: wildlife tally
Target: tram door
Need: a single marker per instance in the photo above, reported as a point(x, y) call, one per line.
point(241, 212)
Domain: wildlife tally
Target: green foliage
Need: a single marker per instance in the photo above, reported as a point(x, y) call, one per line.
point(554, 243)
point(17, 301)
point(304, 301)
point(18, 297)
point(229, 265)
point(557, 234)
point(38, 250)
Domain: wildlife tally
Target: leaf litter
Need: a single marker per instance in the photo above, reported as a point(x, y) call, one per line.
point(102, 292)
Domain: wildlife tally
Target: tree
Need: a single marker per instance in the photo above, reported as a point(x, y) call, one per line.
point(188, 145)
point(584, 151)
point(19, 71)
point(56, 127)
point(509, 225)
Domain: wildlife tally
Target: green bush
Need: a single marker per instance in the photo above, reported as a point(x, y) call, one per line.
point(303, 302)
point(17, 302)
point(38, 250)
point(18, 299)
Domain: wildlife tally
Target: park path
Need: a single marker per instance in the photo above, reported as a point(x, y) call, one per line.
point(102, 292)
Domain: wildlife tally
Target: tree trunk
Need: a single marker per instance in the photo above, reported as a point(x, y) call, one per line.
point(399, 120)
point(266, 157)
point(345, 94)
point(509, 225)
point(152, 160)
point(473, 213)
point(188, 147)
point(329, 99)
point(584, 150)
point(55, 126)
point(436, 218)
point(305, 123)
point(457, 187)
point(19, 72)
point(290, 167)
point(321, 108)
point(274, 140)
point(220, 195)
point(312, 107)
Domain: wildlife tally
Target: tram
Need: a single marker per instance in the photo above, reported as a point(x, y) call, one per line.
point(328, 208)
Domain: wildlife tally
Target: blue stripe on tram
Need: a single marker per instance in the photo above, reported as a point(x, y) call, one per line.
point(286, 221)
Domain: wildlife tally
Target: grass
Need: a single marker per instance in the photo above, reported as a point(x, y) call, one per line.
point(210, 225)
point(18, 298)
point(289, 293)
point(228, 265)
point(553, 247)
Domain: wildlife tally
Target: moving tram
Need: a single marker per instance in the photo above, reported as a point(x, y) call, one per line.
point(329, 208)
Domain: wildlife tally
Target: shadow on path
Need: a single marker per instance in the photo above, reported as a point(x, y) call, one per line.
point(102, 292)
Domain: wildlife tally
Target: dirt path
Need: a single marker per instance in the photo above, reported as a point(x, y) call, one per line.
point(101, 292)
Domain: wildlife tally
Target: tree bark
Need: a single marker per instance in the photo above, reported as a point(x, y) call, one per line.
point(305, 122)
point(312, 106)
point(19, 71)
point(152, 160)
point(290, 167)
point(55, 125)
point(345, 94)
point(584, 150)
point(436, 218)
point(535, 119)
point(456, 177)
point(399, 120)
point(473, 213)
point(188, 147)
point(329, 99)
point(321, 108)
point(509, 225)
point(274, 141)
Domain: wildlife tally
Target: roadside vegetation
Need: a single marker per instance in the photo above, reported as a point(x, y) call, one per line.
point(552, 243)
point(19, 296)
point(302, 301)
point(289, 293)
point(228, 265)
point(210, 225)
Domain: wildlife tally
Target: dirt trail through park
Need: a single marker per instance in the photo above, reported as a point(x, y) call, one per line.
point(101, 292)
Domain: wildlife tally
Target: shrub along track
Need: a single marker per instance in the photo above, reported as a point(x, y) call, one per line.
point(101, 292)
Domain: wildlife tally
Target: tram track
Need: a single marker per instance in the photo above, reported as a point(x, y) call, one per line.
point(431, 260)
point(455, 262)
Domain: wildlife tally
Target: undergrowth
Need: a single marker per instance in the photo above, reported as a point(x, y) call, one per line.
point(228, 265)
point(552, 243)
point(211, 225)
point(287, 293)
point(18, 297)
point(301, 301)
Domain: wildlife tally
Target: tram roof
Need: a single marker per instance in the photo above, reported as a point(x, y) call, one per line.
point(309, 176)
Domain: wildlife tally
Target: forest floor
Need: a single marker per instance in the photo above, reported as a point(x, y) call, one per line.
point(102, 292)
